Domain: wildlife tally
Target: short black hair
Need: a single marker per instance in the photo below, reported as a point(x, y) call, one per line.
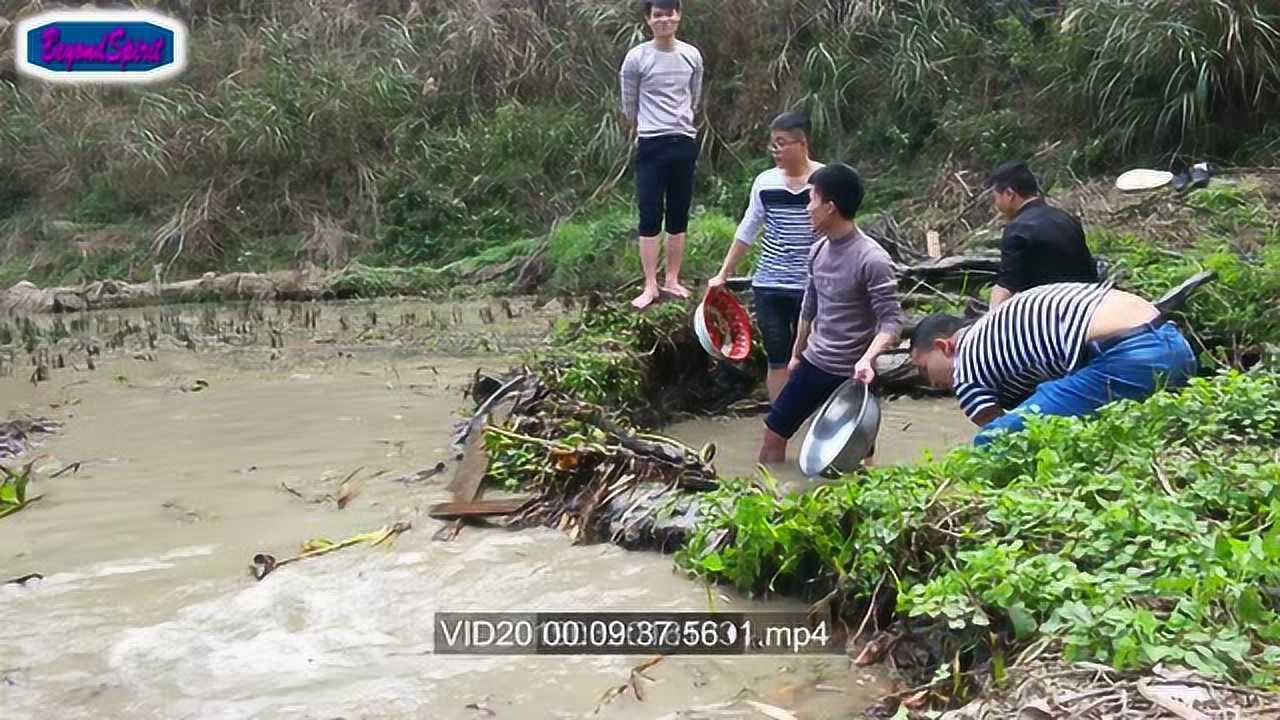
point(840, 184)
point(791, 121)
point(1017, 176)
point(649, 5)
point(933, 327)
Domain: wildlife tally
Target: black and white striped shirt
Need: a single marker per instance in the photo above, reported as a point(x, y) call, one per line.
point(1033, 337)
point(788, 235)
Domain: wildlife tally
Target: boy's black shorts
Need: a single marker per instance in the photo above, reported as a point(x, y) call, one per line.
point(664, 176)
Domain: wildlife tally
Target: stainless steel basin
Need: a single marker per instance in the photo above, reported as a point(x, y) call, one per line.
point(843, 431)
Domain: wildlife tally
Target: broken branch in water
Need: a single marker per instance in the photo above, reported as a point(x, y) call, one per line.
point(422, 475)
point(73, 468)
point(264, 564)
point(631, 684)
point(24, 579)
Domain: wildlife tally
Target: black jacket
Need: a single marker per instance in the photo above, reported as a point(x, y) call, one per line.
point(1043, 245)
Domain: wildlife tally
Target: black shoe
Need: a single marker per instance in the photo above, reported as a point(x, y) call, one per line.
point(1181, 174)
point(1173, 300)
point(1200, 174)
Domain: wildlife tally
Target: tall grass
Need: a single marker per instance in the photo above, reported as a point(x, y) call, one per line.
point(1176, 73)
point(422, 131)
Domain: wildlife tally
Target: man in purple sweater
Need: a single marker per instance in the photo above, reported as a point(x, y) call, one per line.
point(851, 311)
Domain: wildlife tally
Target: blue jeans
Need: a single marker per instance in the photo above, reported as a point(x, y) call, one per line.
point(1132, 369)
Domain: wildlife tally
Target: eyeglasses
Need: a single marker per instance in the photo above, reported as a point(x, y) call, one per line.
point(783, 144)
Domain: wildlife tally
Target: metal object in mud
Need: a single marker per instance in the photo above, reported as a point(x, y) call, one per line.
point(843, 431)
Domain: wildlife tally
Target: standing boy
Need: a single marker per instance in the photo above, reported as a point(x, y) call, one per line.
point(778, 202)
point(851, 313)
point(661, 89)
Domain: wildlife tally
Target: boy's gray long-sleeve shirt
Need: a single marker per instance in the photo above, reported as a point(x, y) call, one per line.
point(852, 296)
point(661, 89)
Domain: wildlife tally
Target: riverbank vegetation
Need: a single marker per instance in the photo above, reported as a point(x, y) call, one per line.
point(1152, 536)
point(426, 133)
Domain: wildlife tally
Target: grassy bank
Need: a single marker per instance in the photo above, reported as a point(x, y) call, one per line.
point(1152, 536)
point(428, 133)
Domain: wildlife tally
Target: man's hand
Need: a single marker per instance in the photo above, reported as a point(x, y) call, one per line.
point(999, 295)
point(864, 371)
point(716, 281)
point(794, 365)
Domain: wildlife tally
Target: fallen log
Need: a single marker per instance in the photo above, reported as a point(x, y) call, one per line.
point(956, 268)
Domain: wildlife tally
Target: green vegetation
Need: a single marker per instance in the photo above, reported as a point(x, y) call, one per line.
point(330, 131)
point(1152, 536)
point(630, 362)
point(1233, 319)
point(13, 489)
point(601, 253)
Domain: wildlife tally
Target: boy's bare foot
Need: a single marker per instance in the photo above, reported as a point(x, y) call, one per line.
point(645, 299)
point(676, 289)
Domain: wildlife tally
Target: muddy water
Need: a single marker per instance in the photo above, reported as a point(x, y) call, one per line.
point(147, 608)
point(911, 430)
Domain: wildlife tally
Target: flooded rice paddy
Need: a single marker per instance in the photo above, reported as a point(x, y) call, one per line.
point(221, 433)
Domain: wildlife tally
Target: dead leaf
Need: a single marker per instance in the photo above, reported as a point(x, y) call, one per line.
point(609, 696)
point(917, 701)
point(776, 713)
point(1038, 710)
point(648, 664)
point(481, 707)
point(565, 459)
point(349, 489)
point(448, 532)
point(1173, 698)
point(875, 649)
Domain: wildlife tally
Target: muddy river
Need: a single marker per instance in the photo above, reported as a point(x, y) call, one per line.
point(192, 461)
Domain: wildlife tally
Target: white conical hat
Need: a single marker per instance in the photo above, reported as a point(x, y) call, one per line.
point(1143, 179)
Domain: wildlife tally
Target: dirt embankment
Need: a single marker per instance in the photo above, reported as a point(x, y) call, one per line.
point(310, 284)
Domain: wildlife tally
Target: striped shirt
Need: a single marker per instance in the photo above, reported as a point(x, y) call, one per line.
point(1033, 337)
point(788, 235)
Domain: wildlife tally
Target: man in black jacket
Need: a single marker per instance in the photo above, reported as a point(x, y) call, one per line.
point(1041, 244)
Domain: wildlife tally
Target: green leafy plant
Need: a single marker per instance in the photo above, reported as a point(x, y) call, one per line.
point(1148, 534)
point(1231, 318)
point(13, 489)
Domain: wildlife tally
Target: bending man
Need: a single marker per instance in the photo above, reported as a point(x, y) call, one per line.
point(1059, 349)
point(779, 198)
point(851, 311)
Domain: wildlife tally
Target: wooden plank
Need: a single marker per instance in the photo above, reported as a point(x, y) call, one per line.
point(481, 508)
point(934, 243)
point(467, 477)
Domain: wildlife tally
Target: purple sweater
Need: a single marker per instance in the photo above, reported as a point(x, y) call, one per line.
point(852, 296)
